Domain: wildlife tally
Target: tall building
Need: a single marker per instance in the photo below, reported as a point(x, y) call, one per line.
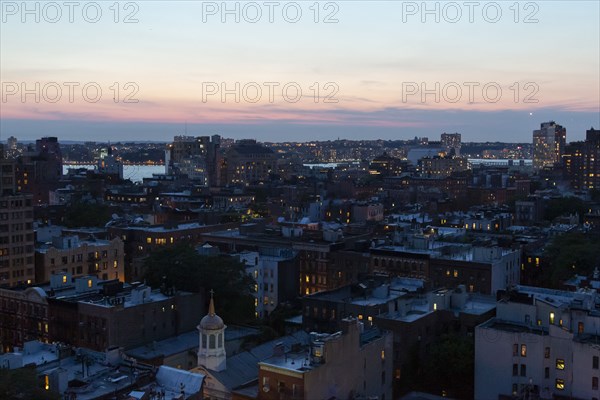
point(16, 230)
point(248, 162)
point(549, 144)
point(38, 171)
point(591, 159)
point(451, 141)
point(573, 164)
point(12, 142)
point(581, 163)
point(197, 157)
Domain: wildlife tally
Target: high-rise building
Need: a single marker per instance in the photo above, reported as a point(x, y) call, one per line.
point(549, 144)
point(591, 159)
point(16, 230)
point(197, 157)
point(248, 162)
point(581, 162)
point(451, 141)
point(572, 162)
point(11, 142)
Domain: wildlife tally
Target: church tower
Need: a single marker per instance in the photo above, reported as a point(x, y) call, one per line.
point(211, 351)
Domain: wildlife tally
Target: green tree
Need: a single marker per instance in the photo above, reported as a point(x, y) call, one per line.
point(86, 214)
point(449, 368)
point(185, 269)
point(23, 384)
point(570, 254)
point(565, 206)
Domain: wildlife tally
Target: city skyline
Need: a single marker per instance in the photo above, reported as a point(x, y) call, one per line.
point(377, 58)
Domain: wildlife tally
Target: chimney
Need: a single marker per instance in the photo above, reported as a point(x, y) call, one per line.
point(279, 350)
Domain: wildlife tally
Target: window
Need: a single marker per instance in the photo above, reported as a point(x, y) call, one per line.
point(523, 350)
point(515, 369)
point(515, 387)
point(595, 362)
point(382, 355)
point(211, 341)
point(515, 350)
point(560, 364)
point(546, 372)
point(547, 352)
point(580, 327)
point(523, 370)
point(560, 384)
point(551, 318)
point(594, 383)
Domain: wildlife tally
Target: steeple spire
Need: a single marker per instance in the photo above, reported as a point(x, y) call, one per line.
point(211, 306)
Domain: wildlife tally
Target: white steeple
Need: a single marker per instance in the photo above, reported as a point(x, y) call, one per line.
point(211, 350)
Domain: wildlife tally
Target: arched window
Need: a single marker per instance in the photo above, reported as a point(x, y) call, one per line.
point(203, 341)
point(211, 343)
point(220, 342)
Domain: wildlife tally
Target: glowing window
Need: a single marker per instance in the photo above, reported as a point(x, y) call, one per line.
point(560, 364)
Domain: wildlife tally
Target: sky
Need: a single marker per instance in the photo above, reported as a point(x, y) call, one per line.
point(304, 70)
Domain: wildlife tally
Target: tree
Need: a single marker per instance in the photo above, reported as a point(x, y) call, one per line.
point(450, 367)
point(23, 384)
point(183, 268)
point(564, 206)
point(86, 214)
point(570, 254)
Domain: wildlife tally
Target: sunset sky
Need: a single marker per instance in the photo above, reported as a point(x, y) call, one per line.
point(374, 53)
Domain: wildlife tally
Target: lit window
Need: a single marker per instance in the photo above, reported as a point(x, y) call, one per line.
point(560, 384)
point(523, 350)
point(560, 364)
point(360, 316)
point(551, 318)
point(149, 240)
point(434, 306)
point(89, 283)
point(64, 279)
point(382, 355)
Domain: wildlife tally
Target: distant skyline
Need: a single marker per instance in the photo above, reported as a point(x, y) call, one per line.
point(374, 55)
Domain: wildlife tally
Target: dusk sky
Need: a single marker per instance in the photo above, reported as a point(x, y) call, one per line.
point(370, 67)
